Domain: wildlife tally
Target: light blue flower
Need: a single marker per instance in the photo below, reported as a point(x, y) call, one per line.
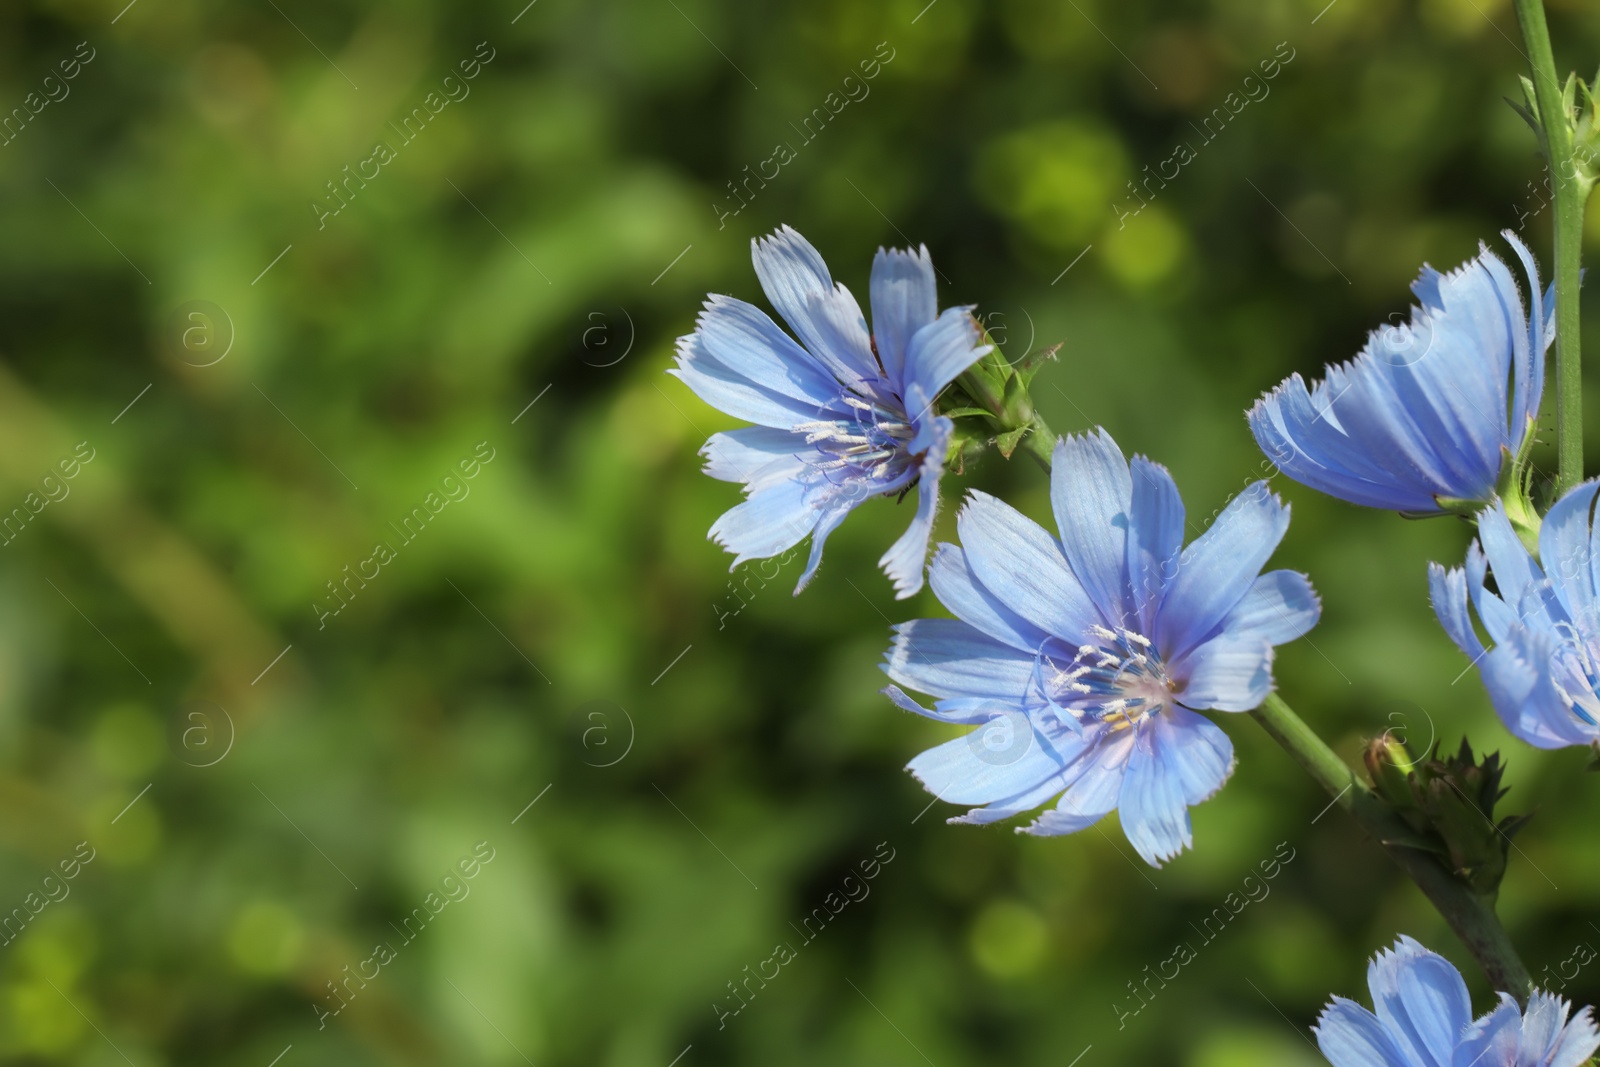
point(842, 416)
point(1424, 1019)
point(1082, 659)
point(1422, 420)
point(1543, 672)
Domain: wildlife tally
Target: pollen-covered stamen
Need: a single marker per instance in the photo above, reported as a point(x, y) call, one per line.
point(869, 445)
point(1577, 657)
point(1115, 678)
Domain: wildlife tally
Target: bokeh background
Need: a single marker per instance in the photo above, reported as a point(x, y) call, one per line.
point(268, 793)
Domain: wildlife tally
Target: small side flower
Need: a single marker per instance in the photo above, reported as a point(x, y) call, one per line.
point(1431, 414)
point(842, 415)
point(1423, 1018)
point(1543, 670)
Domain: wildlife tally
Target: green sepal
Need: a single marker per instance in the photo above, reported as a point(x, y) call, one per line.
point(1585, 110)
point(1029, 365)
point(1447, 805)
point(991, 399)
point(1008, 441)
point(965, 412)
point(1530, 110)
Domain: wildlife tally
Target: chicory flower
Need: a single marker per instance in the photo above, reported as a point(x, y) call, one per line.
point(1084, 659)
point(843, 415)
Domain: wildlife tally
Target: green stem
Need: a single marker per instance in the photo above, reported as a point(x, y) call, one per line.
point(1039, 441)
point(1470, 915)
point(1570, 193)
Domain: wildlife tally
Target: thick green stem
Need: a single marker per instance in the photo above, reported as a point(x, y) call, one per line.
point(1470, 915)
point(1570, 191)
point(1039, 441)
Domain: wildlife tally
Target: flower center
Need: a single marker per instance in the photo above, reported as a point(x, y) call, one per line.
point(869, 446)
point(1115, 678)
point(1575, 666)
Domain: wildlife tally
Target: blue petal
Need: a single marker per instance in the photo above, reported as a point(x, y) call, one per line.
point(995, 763)
point(903, 302)
point(828, 520)
point(1566, 549)
point(1092, 794)
point(1351, 1036)
point(1197, 749)
point(1421, 999)
point(1542, 1022)
point(939, 352)
point(1299, 432)
point(1155, 537)
point(1218, 569)
point(1069, 751)
point(1023, 567)
point(1492, 1040)
point(1496, 614)
point(1453, 380)
point(948, 658)
point(1091, 491)
point(1448, 591)
point(1578, 1040)
point(904, 560)
point(742, 338)
point(967, 711)
point(824, 316)
point(1517, 674)
point(1179, 759)
point(1226, 673)
point(1514, 569)
point(729, 391)
point(1384, 412)
point(1280, 606)
point(756, 455)
point(773, 520)
point(1532, 338)
point(958, 589)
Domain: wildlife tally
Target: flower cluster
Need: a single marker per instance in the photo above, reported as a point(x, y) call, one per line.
point(1083, 660)
point(1080, 661)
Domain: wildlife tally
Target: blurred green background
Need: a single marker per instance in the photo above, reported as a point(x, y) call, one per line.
point(562, 635)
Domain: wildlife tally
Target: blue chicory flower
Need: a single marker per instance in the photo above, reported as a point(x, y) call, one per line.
point(1421, 421)
point(1543, 673)
point(1424, 1019)
point(842, 416)
point(1084, 658)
